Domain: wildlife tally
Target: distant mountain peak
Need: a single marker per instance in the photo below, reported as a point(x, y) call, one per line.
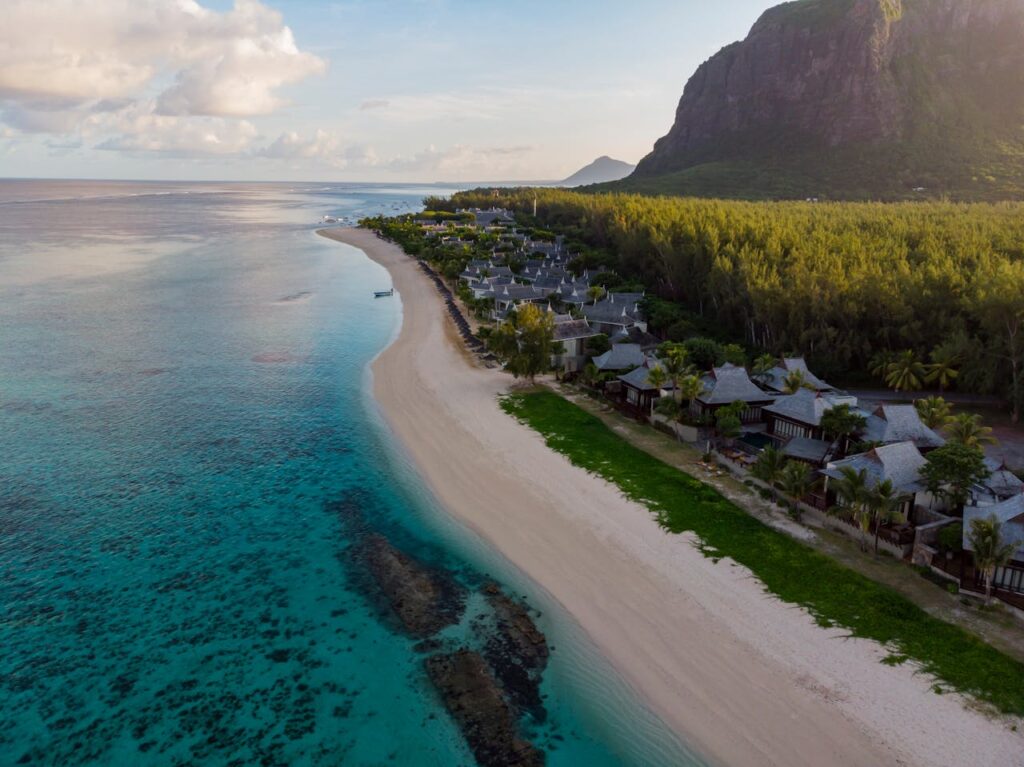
point(600, 171)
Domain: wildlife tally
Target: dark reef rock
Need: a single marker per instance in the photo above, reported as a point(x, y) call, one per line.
point(518, 652)
point(473, 697)
point(424, 600)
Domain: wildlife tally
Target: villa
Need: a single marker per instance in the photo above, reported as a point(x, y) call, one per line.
point(638, 393)
point(900, 463)
point(1008, 583)
point(609, 317)
point(728, 384)
point(573, 335)
point(620, 357)
point(900, 423)
point(775, 379)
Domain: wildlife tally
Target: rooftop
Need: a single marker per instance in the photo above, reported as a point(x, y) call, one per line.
point(900, 423)
point(729, 384)
point(900, 462)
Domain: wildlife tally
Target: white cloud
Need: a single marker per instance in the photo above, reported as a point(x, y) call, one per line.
point(462, 161)
point(322, 147)
point(139, 129)
point(65, 62)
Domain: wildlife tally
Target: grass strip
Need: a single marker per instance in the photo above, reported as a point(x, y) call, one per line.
point(794, 572)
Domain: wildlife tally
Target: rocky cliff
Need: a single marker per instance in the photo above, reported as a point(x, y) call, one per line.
point(856, 98)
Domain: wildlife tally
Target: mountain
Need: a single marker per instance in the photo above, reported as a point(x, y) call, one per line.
point(601, 170)
point(854, 99)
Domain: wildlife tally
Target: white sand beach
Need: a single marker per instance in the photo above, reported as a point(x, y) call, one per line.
point(744, 678)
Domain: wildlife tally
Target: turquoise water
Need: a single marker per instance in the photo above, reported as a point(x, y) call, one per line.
point(187, 451)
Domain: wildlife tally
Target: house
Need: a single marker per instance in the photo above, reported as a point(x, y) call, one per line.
point(609, 317)
point(1001, 485)
point(638, 393)
point(899, 423)
point(573, 335)
point(635, 335)
point(900, 462)
point(1008, 583)
point(775, 379)
point(620, 357)
point(799, 414)
point(816, 452)
point(729, 384)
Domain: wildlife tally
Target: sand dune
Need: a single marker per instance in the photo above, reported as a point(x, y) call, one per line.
point(745, 679)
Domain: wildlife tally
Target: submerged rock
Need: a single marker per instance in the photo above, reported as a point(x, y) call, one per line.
point(488, 722)
point(424, 599)
point(518, 651)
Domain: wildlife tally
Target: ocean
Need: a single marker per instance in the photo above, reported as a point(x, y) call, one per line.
point(189, 452)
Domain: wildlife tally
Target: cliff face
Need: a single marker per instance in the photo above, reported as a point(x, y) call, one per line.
point(910, 77)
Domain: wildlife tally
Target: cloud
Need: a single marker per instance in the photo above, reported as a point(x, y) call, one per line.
point(142, 130)
point(64, 61)
point(461, 161)
point(374, 104)
point(322, 147)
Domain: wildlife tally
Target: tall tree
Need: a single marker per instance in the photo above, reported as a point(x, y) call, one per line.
point(842, 422)
point(657, 378)
point(796, 481)
point(853, 494)
point(526, 341)
point(999, 301)
point(884, 505)
point(763, 365)
point(794, 381)
point(944, 368)
point(990, 550)
point(768, 468)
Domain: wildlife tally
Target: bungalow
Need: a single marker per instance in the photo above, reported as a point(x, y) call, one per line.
point(638, 393)
point(1008, 583)
point(573, 335)
point(620, 357)
point(799, 414)
point(775, 379)
point(610, 317)
point(901, 463)
point(900, 423)
point(635, 335)
point(1001, 485)
point(729, 384)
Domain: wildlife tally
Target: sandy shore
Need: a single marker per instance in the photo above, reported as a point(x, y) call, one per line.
point(745, 679)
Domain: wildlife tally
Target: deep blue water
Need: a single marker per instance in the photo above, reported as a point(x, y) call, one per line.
point(187, 450)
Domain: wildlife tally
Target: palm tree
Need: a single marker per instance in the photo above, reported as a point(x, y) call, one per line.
point(763, 365)
point(675, 367)
point(884, 505)
point(905, 372)
point(990, 551)
point(794, 381)
point(768, 468)
point(852, 492)
point(944, 368)
point(966, 428)
point(934, 412)
point(688, 388)
point(796, 482)
point(656, 377)
point(594, 293)
point(878, 366)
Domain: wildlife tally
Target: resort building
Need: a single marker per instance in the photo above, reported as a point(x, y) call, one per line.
point(620, 357)
point(726, 385)
point(900, 423)
point(609, 317)
point(638, 393)
point(900, 463)
point(775, 379)
point(799, 414)
point(572, 334)
point(1008, 583)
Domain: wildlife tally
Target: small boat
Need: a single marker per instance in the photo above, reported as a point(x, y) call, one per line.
point(383, 293)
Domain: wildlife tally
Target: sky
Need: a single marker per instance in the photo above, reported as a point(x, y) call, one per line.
point(355, 90)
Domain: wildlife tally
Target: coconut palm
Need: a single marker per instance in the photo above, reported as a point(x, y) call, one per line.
point(675, 366)
point(763, 365)
point(944, 368)
point(852, 493)
point(883, 504)
point(657, 378)
point(878, 366)
point(768, 468)
point(934, 412)
point(794, 381)
point(967, 429)
point(796, 482)
point(990, 550)
point(594, 293)
point(906, 372)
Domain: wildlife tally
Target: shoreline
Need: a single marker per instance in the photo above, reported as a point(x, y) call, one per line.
point(743, 678)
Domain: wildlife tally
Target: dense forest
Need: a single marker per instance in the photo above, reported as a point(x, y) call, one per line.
point(838, 282)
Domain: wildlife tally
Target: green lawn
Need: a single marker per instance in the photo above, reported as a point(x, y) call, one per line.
point(834, 595)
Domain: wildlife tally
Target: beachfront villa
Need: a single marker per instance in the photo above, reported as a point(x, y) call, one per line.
point(572, 334)
point(900, 423)
point(728, 384)
point(900, 463)
point(609, 316)
point(638, 393)
point(1008, 583)
point(619, 358)
point(775, 379)
point(799, 414)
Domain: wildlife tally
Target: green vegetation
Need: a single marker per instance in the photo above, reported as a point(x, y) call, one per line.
point(833, 594)
point(839, 283)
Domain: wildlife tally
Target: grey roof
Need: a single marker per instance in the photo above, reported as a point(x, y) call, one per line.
point(635, 335)
point(805, 407)
point(729, 384)
point(900, 423)
point(1003, 483)
point(776, 377)
point(628, 299)
point(640, 377)
point(620, 357)
point(567, 331)
point(900, 462)
point(609, 314)
point(1010, 513)
point(805, 449)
